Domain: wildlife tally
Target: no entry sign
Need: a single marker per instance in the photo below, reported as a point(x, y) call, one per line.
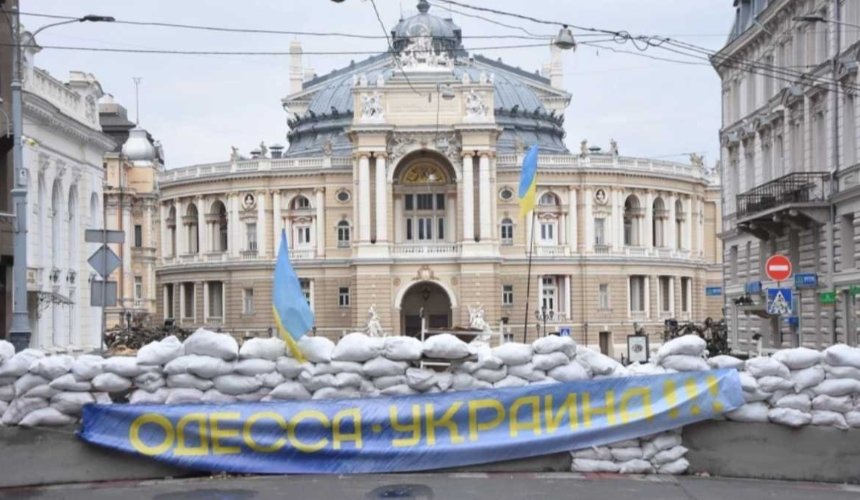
point(778, 268)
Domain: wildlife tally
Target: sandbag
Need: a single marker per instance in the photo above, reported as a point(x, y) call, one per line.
point(420, 379)
point(789, 417)
point(348, 379)
point(314, 383)
point(461, 382)
point(637, 369)
point(43, 391)
point(491, 376)
point(764, 366)
point(625, 454)
point(842, 404)
point(726, 361)
point(510, 381)
point(7, 393)
point(214, 396)
point(485, 359)
point(124, 366)
point(289, 367)
point(797, 401)
point(180, 395)
point(527, 372)
point(444, 380)
point(852, 418)
point(798, 358)
point(547, 362)
point(51, 367)
point(670, 455)
point(316, 349)
point(290, 391)
point(684, 363)
point(555, 343)
point(382, 367)
point(568, 373)
point(773, 384)
point(357, 347)
point(637, 466)
point(389, 381)
point(679, 466)
point(627, 443)
point(208, 343)
point(829, 418)
point(588, 465)
point(156, 397)
point(756, 395)
point(336, 367)
point(807, 377)
point(7, 351)
point(841, 371)
point(249, 397)
point(71, 403)
point(102, 398)
point(86, 367)
point(335, 393)
point(398, 390)
point(29, 381)
point(688, 345)
point(271, 380)
point(748, 382)
point(235, 385)
point(68, 382)
point(149, 381)
point(263, 348)
point(838, 387)
point(207, 366)
point(46, 417)
point(20, 363)
point(597, 362)
point(402, 348)
point(842, 355)
point(255, 366)
point(189, 381)
point(20, 407)
point(160, 352)
point(593, 453)
point(666, 441)
point(514, 353)
point(110, 382)
point(446, 346)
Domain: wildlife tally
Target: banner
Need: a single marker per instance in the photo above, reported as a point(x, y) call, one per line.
point(411, 433)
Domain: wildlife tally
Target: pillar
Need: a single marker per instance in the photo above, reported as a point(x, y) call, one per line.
point(688, 227)
point(202, 233)
point(382, 195)
point(164, 244)
point(648, 239)
point(617, 220)
point(320, 222)
point(485, 197)
point(261, 224)
point(567, 298)
point(571, 220)
point(276, 221)
point(670, 226)
point(468, 200)
point(234, 232)
point(181, 231)
point(363, 198)
point(588, 220)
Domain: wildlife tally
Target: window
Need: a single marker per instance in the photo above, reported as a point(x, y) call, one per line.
point(507, 295)
point(424, 217)
point(686, 294)
point(216, 299)
point(343, 196)
point(603, 296)
point(850, 135)
point(301, 203)
point(303, 235)
point(306, 291)
point(507, 232)
point(248, 301)
point(138, 288)
point(846, 234)
point(506, 194)
point(679, 225)
point(548, 200)
point(637, 294)
point(251, 236)
point(632, 211)
point(187, 301)
point(138, 235)
point(600, 231)
point(778, 156)
point(343, 296)
point(343, 234)
point(547, 233)
point(665, 294)
point(549, 291)
point(168, 301)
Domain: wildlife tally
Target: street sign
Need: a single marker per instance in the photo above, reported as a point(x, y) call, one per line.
point(99, 293)
point(104, 261)
point(637, 348)
point(564, 331)
point(752, 287)
point(778, 267)
point(793, 321)
point(779, 301)
point(104, 236)
point(713, 291)
point(827, 298)
point(854, 290)
point(806, 280)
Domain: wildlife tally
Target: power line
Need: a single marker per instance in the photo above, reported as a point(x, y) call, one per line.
point(391, 48)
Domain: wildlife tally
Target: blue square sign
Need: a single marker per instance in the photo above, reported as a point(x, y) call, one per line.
point(564, 331)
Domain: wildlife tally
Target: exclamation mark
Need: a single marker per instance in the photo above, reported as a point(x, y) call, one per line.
point(690, 386)
point(671, 398)
point(713, 390)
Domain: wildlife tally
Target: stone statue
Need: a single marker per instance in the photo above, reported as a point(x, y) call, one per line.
point(466, 79)
point(374, 327)
point(362, 80)
point(483, 78)
point(159, 150)
point(264, 150)
point(327, 147)
point(475, 107)
point(583, 149)
point(234, 154)
point(380, 80)
point(371, 107)
point(477, 322)
point(613, 148)
point(697, 160)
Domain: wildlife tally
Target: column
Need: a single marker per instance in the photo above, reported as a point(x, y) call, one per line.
point(567, 298)
point(202, 233)
point(164, 245)
point(181, 230)
point(261, 224)
point(670, 224)
point(648, 239)
point(468, 200)
point(381, 200)
point(234, 232)
point(276, 221)
point(700, 226)
point(320, 222)
point(672, 296)
point(647, 283)
point(562, 230)
point(398, 221)
point(688, 227)
point(363, 198)
point(571, 220)
point(128, 274)
point(451, 218)
point(485, 197)
point(617, 221)
point(588, 220)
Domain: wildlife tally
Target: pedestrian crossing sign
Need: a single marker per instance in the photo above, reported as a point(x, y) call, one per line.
point(779, 301)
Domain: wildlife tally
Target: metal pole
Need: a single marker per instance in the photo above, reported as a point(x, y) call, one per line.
point(104, 281)
point(834, 182)
point(529, 280)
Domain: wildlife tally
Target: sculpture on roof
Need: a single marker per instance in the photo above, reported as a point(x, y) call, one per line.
point(419, 52)
point(264, 150)
point(477, 322)
point(327, 148)
point(371, 107)
point(374, 326)
point(583, 149)
point(697, 160)
point(613, 148)
point(475, 107)
point(234, 154)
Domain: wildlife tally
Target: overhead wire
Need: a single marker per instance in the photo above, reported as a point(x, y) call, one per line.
point(391, 48)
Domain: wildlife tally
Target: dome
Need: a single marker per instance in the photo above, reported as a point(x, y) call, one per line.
point(445, 34)
point(137, 147)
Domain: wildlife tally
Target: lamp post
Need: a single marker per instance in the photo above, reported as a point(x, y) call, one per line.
point(543, 315)
point(19, 331)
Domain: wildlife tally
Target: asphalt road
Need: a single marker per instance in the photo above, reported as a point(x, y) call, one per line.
point(463, 486)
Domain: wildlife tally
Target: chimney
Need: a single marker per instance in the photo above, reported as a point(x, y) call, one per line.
point(296, 72)
point(556, 68)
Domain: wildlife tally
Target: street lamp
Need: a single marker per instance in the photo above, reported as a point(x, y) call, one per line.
point(543, 315)
point(19, 330)
point(564, 40)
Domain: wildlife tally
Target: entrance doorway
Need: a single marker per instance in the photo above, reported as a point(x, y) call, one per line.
point(425, 298)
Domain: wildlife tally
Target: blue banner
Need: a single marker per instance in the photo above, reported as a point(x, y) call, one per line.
point(411, 433)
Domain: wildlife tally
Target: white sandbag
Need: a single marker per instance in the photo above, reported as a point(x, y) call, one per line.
point(402, 348)
point(183, 395)
point(207, 366)
point(666, 440)
point(547, 362)
point(807, 377)
point(764, 366)
point(756, 395)
point(43, 391)
point(670, 455)
point(462, 382)
point(789, 417)
point(20, 363)
point(527, 372)
point(263, 348)
point(189, 381)
point(555, 343)
point(7, 351)
point(29, 381)
point(510, 381)
point(679, 466)
point(110, 382)
point(841, 371)
point(593, 453)
point(514, 353)
point(838, 387)
point(7, 393)
point(102, 398)
point(237, 384)
point(156, 397)
point(446, 346)
point(335, 393)
point(71, 403)
point(149, 381)
point(314, 383)
point(420, 379)
point(587, 465)
point(684, 363)
point(726, 361)
point(46, 417)
point(773, 384)
point(599, 363)
point(289, 367)
point(485, 359)
point(829, 418)
point(52, 367)
point(389, 381)
point(625, 454)
point(798, 358)
point(627, 443)
point(348, 379)
point(178, 365)
point(86, 367)
point(208, 343)
point(687, 345)
point(382, 367)
point(444, 380)
point(637, 369)
point(568, 373)
point(842, 404)
point(357, 347)
point(648, 450)
point(398, 390)
point(20, 407)
point(272, 379)
point(214, 396)
point(249, 397)
point(797, 401)
point(336, 367)
point(125, 366)
point(637, 466)
point(842, 355)
point(315, 349)
point(254, 366)
point(290, 391)
point(852, 418)
point(68, 382)
point(160, 352)
point(491, 376)
point(748, 382)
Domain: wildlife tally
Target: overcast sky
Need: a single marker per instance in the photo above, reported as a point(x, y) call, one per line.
point(199, 106)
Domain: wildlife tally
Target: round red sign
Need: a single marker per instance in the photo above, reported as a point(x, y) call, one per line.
point(778, 268)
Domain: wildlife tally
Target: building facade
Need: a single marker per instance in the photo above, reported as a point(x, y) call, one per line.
point(398, 192)
point(7, 178)
point(790, 169)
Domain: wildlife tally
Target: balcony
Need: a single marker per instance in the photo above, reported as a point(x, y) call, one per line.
point(551, 250)
point(602, 249)
point(797, 199)
point(426, 250)
point(249, 254)
point(637, 251)
point(302, 253)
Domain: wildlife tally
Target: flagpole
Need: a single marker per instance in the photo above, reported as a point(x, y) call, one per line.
point(529, 279)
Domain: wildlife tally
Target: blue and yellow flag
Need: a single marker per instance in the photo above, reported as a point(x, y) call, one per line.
point(292, 314)
point(528, 181)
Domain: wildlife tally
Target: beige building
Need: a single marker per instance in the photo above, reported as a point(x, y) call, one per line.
point(398, 190)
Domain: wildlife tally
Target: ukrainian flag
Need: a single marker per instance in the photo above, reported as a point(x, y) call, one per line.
point(292, 314)
point(528, 181)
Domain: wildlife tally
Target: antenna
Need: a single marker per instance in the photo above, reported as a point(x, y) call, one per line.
point(137, 80)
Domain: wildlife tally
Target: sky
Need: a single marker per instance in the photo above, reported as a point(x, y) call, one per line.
point(199, 106)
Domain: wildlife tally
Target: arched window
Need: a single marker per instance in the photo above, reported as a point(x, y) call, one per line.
point(56, 225)
point(171, 229)
point(632, 211)
point(659, 223)
point(548, 200)
point(193, 234)
point(507, 232)
point(680, 217)
point(343, 236)
point(300, 203)
point(217, 224)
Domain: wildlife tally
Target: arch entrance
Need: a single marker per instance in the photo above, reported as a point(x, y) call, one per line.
point(426, 299)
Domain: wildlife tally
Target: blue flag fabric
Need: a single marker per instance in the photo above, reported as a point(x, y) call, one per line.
point(412, 433)
point(528, 181)
point(293, 315)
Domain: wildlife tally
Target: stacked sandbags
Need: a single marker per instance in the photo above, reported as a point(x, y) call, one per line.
point(686, 353)
point(661, 454)
point(207, 357)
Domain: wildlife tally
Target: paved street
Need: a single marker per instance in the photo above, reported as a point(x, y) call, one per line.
point(448, 486)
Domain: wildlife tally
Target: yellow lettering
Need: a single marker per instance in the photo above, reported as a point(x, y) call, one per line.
point(692, 392)
point(339, 436)
point(714, 390)
point(484, 404)
point(671, 398)
point(533, 424)
point(307, 415)
point(553, 421)
point(248, 437)
point(217, 434)
point(608, 410)
point(155, 419)
point(644, 410)
point(182, 448)
point(413, 427)
point(445, 421)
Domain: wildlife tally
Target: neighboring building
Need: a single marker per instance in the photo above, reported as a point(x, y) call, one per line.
point(399, 191)
point(790, 169)
point(63, 151)
point(7, 177)
point(131, 197)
